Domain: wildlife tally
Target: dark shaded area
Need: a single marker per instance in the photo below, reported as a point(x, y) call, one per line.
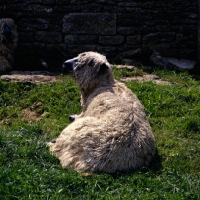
point(58, 30)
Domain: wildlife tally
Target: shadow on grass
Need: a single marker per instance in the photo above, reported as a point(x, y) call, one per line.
point(154, 168)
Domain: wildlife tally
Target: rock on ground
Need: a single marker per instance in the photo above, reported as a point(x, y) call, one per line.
point(37, 77)
point(146, 78)
point(182, 64)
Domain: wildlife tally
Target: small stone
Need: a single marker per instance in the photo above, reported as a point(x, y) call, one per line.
point(125, 67)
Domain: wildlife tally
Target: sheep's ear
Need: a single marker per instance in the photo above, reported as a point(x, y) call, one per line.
point(103, 68)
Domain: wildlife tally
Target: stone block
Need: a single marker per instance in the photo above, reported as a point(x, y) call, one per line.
point(50, 2)
point(26, 37)
point(167, 37)
point(39, 46)
point(79, 1)
point(129, 4)
point(69, 39)
point(76, 49)
point(106, 49)
point(93, 8)
point(127, 30)
point(86, 39)
point(106, 1)
point(111, 40)
point(151, 38)
point(136, 39)
point(57, 47)
point(49, 37)
point(66, 9)
point(62, 2)
point(127, 47)
point(126, 54)
point(90, 23)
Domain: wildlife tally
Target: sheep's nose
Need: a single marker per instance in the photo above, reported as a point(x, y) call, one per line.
point(67, 67)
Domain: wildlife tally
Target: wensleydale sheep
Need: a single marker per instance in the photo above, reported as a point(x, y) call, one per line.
point(8, 42)
point(112, 132)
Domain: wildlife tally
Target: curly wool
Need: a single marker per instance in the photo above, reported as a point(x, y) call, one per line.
point(7, 47)
point(112, 133)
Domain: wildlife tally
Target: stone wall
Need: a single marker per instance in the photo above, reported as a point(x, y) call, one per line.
point(54, 30)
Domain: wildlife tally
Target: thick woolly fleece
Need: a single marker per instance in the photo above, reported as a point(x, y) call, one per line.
point(7, 44)
point(112, 133)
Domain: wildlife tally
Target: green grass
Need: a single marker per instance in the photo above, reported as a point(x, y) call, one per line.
point(28, 171)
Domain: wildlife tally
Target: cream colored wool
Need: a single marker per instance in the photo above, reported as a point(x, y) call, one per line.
point(7, 47)
point(112, 132)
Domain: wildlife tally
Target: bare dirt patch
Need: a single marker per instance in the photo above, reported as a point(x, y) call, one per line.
point(31, 114)
point(37, 77)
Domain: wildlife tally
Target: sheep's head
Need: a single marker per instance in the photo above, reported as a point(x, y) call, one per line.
point(90, 70)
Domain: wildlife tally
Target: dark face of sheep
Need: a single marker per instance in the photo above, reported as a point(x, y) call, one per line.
point(90, 70)
point(69, 65)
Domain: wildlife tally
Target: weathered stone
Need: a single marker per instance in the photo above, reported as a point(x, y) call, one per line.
point(163, 28)
point(86, 39)
point(39, 46)
point(106, 2)
point(79, 1)
point(42, 9)
point(62, 2)
point(89, 23)
point(136, 39)
point(110, 9)
point(129, 22)
point(54, 27)
point(151, 38)
point(27, 24)
point(131, 62)
point(80, 48)
point(162, 48)
point(181, 64)
point(159, 61)
point(26, 37)
point(148, 4)
point(105, 48)
point(111, 40)
point(50, 2)
point(93, 8)
point(167, 37)
point(69, 39)
point(56, 47)
point(66, 9)
point(25, 47)
point(51, 37)
point(30, 25)
point(180, 37)
point(146, 29)
point(129, 4)
point(128, 53)
point(127, 47)
point(127, 30)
